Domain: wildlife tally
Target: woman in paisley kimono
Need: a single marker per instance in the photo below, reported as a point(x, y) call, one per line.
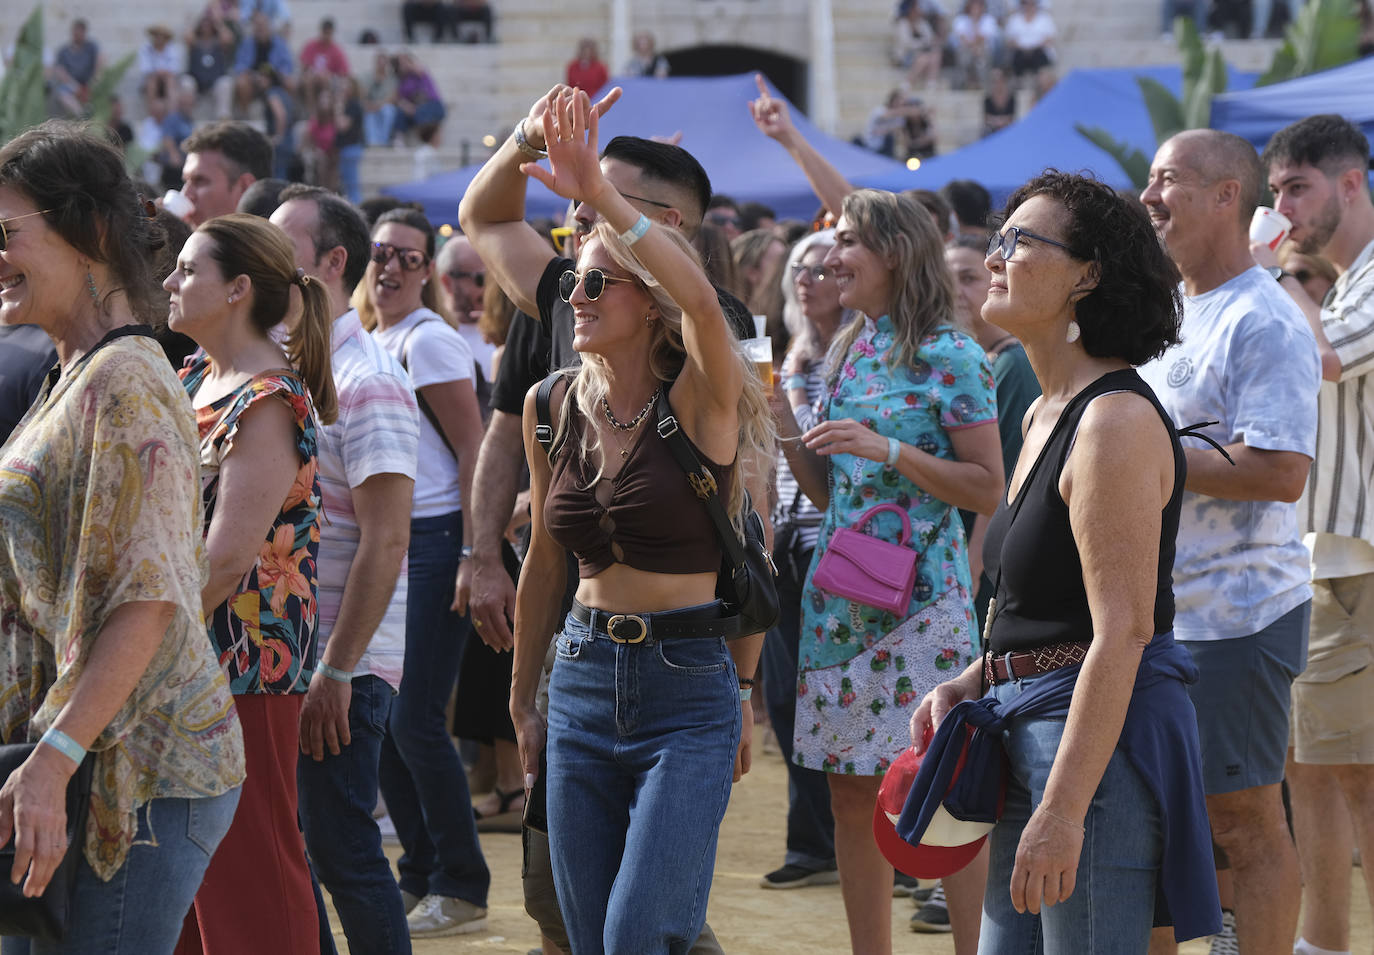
point(102, 648)
point(256, 403)
point(909, 418)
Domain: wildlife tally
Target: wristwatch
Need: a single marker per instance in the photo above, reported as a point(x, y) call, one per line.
point(1278, 274)
point(464, 553)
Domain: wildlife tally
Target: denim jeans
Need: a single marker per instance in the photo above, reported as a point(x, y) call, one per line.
point(422, 777)
point(1113, 903)
point(642, 742)
point(810, 825)
point(377, 125)
point(337, 796)
point(140, 910)
point(350, 159)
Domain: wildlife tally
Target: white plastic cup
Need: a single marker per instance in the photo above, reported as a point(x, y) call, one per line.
point(760, 326)
point(1269, 227)
point(177, 204)
point(760, 352)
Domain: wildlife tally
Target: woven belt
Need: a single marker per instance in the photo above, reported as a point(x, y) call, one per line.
point(706, 621)
point(1020, 664)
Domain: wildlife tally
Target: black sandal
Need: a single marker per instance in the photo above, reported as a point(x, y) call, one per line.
point(505, 819)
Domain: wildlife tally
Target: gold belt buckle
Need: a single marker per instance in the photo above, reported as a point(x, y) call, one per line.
point(621, 618)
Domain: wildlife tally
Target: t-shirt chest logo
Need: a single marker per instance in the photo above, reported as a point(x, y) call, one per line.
point(1180, 373)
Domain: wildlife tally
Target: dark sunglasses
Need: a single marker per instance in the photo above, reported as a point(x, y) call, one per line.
point(593, 283)
point(478, 278)
point(818, 273)
point(5, 236)
point(1004, 244)
point(722, 219)
point(410, 259)
point(652, 202)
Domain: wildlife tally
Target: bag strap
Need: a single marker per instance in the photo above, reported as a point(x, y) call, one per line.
point(700, 477)
point(543, 400)
point(419, 398)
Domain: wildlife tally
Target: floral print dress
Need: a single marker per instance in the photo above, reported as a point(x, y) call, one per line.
point(862, 670)
point(265, 632)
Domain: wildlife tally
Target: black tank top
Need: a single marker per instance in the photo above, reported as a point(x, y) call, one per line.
point(1030, 553)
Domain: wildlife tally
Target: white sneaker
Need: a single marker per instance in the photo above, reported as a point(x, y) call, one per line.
point(1224, 942)
point(439, 915)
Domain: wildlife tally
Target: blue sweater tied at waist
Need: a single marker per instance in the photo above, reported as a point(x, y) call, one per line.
point(1160, 739)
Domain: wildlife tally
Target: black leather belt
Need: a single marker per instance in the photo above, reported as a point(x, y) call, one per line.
point(705, 621)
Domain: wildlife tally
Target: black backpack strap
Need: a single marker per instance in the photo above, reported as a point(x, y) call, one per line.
point(700, 477)
point(425, 409)
point(543, 400)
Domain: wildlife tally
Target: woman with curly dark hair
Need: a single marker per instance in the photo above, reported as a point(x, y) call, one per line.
point(1086, 687)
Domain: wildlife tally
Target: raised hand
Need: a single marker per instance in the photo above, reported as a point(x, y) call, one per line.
point(770, 114)
point(534, 128)
point(570, 136)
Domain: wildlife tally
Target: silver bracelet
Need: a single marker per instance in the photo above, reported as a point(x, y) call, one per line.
point(333, 673)
point(523, 144)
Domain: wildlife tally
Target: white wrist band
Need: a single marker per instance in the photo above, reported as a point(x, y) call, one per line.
point(636, 232)
point(894, 451)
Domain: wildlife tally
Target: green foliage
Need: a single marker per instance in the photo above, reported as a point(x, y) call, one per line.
point(23, 101)
point(1135, 163)
point(23, 91)
point(1326, 33)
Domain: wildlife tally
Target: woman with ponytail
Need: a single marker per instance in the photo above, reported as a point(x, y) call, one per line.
point(235, 282)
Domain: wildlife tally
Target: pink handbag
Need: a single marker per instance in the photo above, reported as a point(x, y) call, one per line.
point(868, 570)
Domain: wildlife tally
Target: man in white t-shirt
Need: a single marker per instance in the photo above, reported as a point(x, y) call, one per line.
point(367, 463)
point(1318, 169)
point(1246, 366)
point(462, 278)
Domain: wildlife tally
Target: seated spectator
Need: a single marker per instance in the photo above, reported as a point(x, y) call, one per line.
point(1261, 12)
point(158, 65)
point(320, 146)
point(424, 11)
point(348, 137)
point(586, 71)
point(148, 139)
point(176, 128)
point(280, 113)
point(471, 11)
point(916, 46)
point(322, 55)
point(263, 47)
point(975, 40)
point(884, 122)
point(901, 129)
point(1196, 9)
point(645, 60)
point(117, 124)
point(417, 98)
point(426, 158)
point(73, 69)
point(209, 53)
point(1030, 34)
point(275, 10)
point(379, 103)
point(999, 105)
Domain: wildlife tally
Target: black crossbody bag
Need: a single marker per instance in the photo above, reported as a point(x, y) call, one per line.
point(747, 580)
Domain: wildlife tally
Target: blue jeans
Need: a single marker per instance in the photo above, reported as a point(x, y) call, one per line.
point(1113, 903)
point(350, 159)
point(422, 777)
point(140, 910)
point(810, 825)
point(377, 125)
point(642, 742)
point(337, 796)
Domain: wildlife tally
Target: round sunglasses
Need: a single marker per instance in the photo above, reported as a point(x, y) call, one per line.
point(410, 259)
point(593, 283)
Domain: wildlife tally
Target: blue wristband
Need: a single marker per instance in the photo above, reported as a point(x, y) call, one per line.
point(795, 382)
point(636, 232)
point(333, 673)
point(65, 745)
point(745, 692)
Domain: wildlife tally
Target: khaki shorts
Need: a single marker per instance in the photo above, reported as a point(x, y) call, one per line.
point(1333, 699)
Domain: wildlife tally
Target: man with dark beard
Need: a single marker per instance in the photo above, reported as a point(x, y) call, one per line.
point(1318, 172)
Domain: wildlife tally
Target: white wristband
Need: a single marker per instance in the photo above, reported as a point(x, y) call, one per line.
point(894, 451)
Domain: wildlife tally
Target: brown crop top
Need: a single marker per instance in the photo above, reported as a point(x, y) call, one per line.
point(654, 521)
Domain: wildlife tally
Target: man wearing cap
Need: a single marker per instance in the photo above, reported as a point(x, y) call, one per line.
point(1247, 371)
point(1318, 172)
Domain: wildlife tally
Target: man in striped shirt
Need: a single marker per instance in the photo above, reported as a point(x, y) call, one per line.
point(367, 462)
point(1318, 171)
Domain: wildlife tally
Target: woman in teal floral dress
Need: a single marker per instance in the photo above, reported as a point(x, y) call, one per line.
point(256, 403)
point(910, 419)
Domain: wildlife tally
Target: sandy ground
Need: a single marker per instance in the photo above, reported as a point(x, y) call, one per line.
point(748, 919)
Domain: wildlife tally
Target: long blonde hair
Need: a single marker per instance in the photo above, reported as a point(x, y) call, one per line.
point(754, 448)
point(898, 228)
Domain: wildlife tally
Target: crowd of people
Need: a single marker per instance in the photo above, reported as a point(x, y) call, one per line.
point(291, 475)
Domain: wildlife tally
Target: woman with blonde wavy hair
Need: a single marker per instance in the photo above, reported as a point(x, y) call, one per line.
point(256, 403)
point(645, 714)
point(909, 419)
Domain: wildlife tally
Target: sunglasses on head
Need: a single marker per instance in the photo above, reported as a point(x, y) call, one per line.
point(818, 273)
point(410, 259)
point(478, 278)
point(5, 236)
point(593, 283)
point(1004, 244)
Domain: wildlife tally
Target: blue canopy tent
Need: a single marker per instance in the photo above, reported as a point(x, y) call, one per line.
point(1108, 98)
point(1258, 114)
point(713, 115)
